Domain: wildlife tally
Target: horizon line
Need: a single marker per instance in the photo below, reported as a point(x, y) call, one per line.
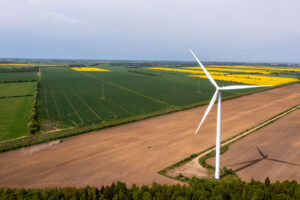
point(144, 60)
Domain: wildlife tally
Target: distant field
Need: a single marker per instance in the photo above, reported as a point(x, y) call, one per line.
point(76, 98)
point(18, 76)
point(242, 74)
point(17, 89)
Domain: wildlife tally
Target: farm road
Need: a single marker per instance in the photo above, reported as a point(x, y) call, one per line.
point(135, 152)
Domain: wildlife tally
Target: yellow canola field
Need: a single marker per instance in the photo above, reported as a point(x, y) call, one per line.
point(184, 70)
point(251, 79)
point(239, 78)
point(233, 70)
point(90, 69)
point(27, 65)
point(256, 67)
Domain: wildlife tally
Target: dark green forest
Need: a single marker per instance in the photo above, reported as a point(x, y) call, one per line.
point(227, 188)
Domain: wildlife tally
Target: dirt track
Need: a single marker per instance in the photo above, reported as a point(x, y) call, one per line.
point(135, 152)
point(272, 151)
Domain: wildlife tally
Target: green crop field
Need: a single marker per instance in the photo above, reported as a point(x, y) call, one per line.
point(14, 117)
point(17, 76)
point(72, 98)
point(15, 108)
point(17, 89)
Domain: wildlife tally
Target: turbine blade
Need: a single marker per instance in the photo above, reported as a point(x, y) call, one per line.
point(237, 87)
point(205, 71)
point(213, 99)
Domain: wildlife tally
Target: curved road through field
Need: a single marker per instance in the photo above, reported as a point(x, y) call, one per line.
point(135, 152)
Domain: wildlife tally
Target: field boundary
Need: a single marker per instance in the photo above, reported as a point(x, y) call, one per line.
point(18, 81)
point(25, 95)
point(53, 135)
point(198, 159)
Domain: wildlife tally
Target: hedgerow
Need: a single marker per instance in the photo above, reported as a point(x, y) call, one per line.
point(33, 124)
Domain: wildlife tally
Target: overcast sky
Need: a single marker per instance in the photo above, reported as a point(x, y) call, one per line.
point(217, 30)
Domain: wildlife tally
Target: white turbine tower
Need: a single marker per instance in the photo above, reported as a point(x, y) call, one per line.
point(218, 94)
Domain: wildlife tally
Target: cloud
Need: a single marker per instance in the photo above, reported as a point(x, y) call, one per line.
point(233, 30)
point(61, 18)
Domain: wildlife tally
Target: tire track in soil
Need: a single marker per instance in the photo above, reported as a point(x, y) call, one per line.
point(54, 100)
point(114, 114)
point(129, 90)
point(92, 110)
point(74, 109)
point(121, 107)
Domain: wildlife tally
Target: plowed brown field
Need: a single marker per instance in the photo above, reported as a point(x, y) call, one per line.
point(272, 151)
point(135, 152)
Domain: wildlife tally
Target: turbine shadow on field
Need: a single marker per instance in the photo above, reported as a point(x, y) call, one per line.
point(263, 157)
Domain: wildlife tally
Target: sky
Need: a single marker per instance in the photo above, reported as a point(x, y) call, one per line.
point(217, 30)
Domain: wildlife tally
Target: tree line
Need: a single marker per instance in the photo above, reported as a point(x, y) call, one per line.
point(229, 188)
point(33, 123)
point(20, 69)
point(18, 81)
point(76, 65)
point(141, 72)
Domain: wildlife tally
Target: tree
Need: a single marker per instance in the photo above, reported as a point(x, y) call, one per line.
point(267, 181)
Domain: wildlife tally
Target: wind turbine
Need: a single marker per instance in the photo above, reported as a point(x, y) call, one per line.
point(218, 94)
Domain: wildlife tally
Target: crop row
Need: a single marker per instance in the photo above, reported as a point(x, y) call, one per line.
point(76, 98)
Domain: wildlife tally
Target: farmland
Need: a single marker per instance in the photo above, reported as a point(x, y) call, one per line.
point(71, 98)
point(135, 152)
point(74, 95)
point(272, 151)
point(17, 89)
point(240, 74)
point(15, 105)
point(14, 116)
point(19, 76)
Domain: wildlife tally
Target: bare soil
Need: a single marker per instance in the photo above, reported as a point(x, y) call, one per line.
point(272, 151)
point(194, 168)
point(135, 152)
